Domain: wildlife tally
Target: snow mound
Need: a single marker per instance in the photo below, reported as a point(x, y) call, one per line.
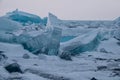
point(14, 50)
point(111, 46)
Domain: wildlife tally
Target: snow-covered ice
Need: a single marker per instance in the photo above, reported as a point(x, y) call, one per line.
point(96, 44)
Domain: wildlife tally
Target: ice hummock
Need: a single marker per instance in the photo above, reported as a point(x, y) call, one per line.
point(82, 43)
point(96, 39)
point(117, 34)
point(26, 18)
point(38, 39)
point(53, 20)
point(117, 22)
point(33, 37)
point(44, 42)
point(8, 25)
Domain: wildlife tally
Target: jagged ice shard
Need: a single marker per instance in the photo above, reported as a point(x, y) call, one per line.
point(82, 43)
point(26, 18)
point(46, 41)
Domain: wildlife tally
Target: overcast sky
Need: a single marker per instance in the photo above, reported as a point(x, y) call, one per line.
point(66, 9)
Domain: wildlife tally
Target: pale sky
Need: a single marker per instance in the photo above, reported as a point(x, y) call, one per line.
point(66, 9)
